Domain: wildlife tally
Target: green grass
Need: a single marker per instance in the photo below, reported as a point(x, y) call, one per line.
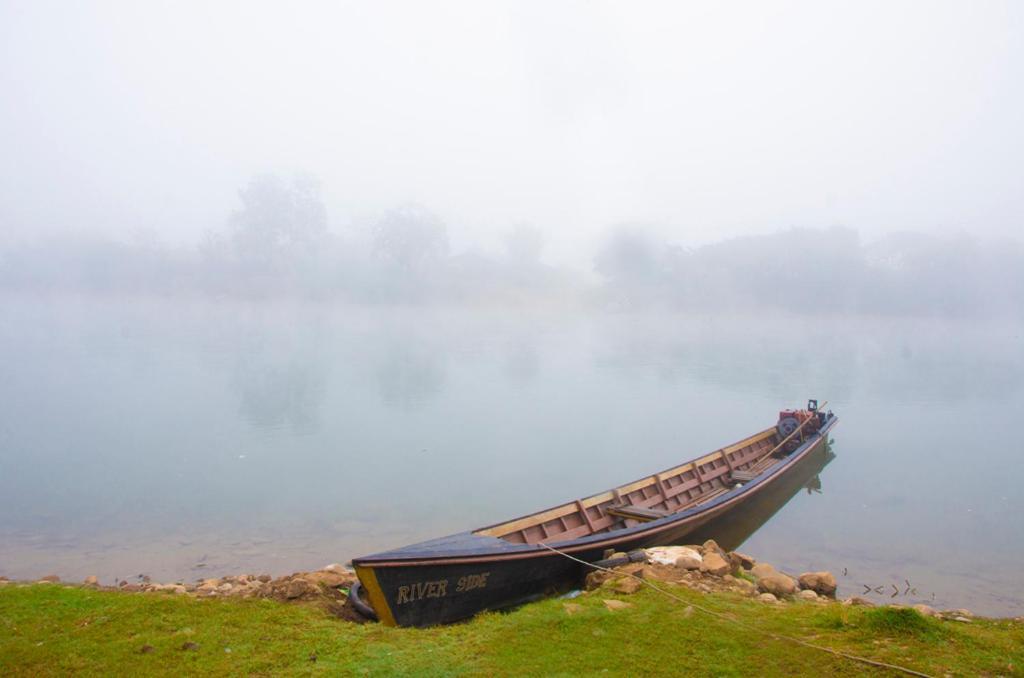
point(57, 630)
point(887, 621)
point(743, 574)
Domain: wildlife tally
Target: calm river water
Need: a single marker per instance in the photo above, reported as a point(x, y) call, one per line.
point(188, 439)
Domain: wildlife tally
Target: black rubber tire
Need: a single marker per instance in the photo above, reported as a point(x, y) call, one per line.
point(362, 608)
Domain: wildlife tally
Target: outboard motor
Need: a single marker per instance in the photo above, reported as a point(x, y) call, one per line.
point(791, 420)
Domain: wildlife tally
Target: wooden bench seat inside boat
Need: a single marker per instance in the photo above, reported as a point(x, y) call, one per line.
point(635, 512)
point(765, 464)
point(708, 496)
point(746, 475)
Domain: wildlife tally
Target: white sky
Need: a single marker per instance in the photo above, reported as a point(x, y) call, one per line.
point(702, 120)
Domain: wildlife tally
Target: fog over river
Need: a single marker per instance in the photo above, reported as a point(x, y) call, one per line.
point(189, 438)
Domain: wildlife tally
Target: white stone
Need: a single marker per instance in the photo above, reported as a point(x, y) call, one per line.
point(668, 555)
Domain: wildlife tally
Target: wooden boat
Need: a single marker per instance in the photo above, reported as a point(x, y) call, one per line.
point(452, 578)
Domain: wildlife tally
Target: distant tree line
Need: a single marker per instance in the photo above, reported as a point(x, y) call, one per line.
point(278, 244)
point(817, 271)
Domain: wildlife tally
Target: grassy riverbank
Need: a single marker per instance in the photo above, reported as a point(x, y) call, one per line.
point(53, 629)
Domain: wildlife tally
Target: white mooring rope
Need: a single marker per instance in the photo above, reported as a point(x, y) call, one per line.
point(719, 615)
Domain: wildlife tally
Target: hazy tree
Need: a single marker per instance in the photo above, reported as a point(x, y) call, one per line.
point(635, 266)
point(278, 220)
point(918, 273)
point(411, 238)
point(276, 241)
point(801, 269)
point(630, 255)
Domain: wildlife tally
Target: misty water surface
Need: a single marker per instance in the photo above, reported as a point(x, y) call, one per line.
point(183, 440)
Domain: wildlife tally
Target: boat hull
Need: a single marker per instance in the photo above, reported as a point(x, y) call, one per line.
point(425, 589)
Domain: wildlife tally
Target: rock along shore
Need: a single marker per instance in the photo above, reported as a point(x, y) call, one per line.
point(706, 568)
point(328, 587)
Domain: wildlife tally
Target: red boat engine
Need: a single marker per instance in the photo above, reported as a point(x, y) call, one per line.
point(791, 420)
